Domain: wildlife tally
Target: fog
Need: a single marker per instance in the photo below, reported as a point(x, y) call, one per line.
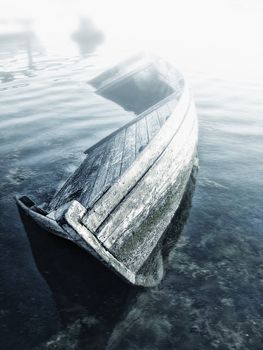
point(222, 37)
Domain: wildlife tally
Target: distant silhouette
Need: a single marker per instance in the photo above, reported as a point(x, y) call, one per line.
point(87, 36)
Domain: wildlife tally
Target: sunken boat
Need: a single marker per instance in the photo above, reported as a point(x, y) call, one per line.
point(118, 204)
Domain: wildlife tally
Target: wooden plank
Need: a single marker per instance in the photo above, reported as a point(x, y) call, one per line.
point(76, 182)
point(131, 254)
point(141, 135)
point(134, 248)
point(72, 216)
point(148, 193)
point(153, 124)
point(116, 153)
point(163, 114)
point(164, 173)
point(101, 177)
point(129, 148)
point(106, 204)
point(90, 179)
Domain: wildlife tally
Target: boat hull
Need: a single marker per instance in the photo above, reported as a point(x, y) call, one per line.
point(139, 222)
point(118, 204)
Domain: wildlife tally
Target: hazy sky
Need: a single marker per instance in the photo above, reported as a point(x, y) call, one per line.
point(221, 36)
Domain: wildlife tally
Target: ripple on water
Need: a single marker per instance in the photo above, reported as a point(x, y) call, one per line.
point(211, 296)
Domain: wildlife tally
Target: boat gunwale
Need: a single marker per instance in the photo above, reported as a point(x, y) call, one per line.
point(190, 109)
point(93, 211)
point(133, 121)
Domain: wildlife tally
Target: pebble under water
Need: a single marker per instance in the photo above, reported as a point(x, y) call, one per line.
point(55, 296)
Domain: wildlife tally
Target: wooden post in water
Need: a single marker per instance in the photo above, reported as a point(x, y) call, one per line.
point(20, 36)
point(29, 50)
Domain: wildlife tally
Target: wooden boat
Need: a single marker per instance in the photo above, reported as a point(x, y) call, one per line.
point(113, 204)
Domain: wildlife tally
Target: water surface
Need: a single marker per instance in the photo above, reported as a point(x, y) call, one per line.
point(54, 296)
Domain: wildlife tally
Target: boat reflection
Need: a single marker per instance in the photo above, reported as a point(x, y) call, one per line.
point(155, 267)
point(90, 298)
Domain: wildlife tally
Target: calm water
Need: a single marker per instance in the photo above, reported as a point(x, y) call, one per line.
point(54, 296)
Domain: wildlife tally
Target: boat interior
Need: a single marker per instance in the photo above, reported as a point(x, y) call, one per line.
point(145, 91)
point(139, 91)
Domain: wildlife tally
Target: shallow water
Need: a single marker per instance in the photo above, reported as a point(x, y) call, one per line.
point(54, 296)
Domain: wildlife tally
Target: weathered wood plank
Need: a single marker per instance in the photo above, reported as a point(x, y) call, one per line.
point(134, 251)
point(101, 177)
point(142, 198)
point(90, 180)
point(73, 215)
point(141, 135)
point(116, 153)
point(174, 176)
point(100, 211)
point(154, 179)
point(72, 188)
point(153, 124)
point(163, 114)
point(129, 148)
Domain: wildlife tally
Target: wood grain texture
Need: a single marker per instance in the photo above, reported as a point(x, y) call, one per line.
point(73, 187)
point(101, 177)
point(141, 136)
point(72, 217)
point(118, 203)
point(129, 148)
point(134, 245)
point(163, 186)
point(153, 124)
point(144, 196)
point(141, 164)
point(90, 180)
point(115, 156)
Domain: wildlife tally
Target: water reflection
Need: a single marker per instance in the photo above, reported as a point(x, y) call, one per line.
point(134, 313)
point(158, 262)
point(23, 48)
point(91, 299)
point(87, 36)
point(17, 35)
